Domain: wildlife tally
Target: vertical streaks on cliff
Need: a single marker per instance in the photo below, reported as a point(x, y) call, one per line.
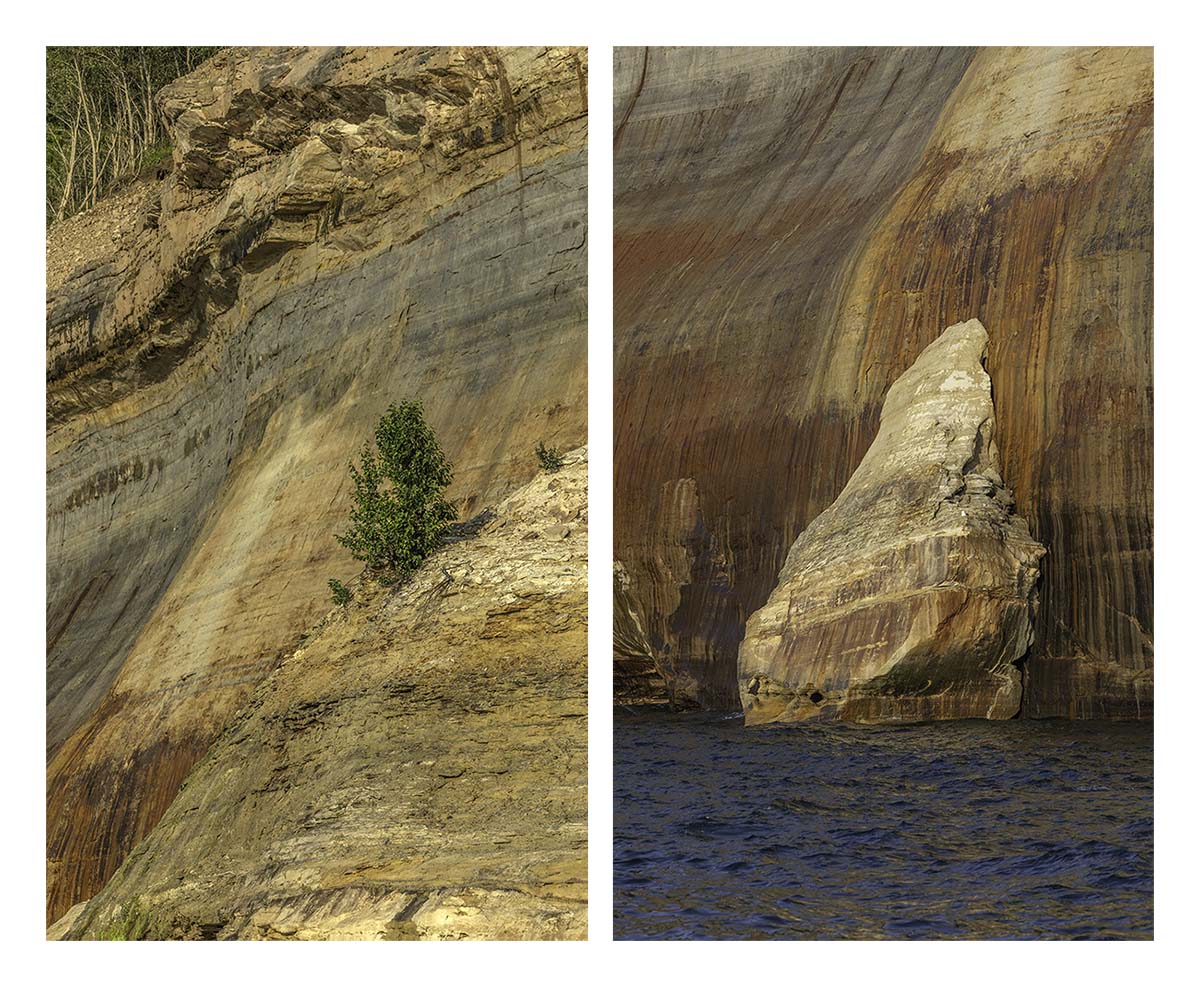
point(794, 226)
point(1032, 211)
point(633, 98)
point(730, 250)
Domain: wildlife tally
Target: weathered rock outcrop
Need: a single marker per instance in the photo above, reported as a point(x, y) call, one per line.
point(792, 228)
point(638, 680)
point(416, 769)
point(912, 596)
point(342, 228)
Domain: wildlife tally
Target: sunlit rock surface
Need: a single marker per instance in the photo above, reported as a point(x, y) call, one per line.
point(417, 769)
point(911, 597)
point(343, 228)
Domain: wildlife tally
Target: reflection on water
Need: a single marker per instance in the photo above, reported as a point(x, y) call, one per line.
point(972, 829)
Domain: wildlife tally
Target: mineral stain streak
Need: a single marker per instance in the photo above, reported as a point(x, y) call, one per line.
point(416, 769)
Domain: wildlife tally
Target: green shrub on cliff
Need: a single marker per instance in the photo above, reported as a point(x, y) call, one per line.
point(551, 460)
point(341, 592)
point(134, 922)
point(399, 513)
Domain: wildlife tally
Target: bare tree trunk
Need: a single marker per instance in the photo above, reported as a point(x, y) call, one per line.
point(151, 114)
point(131, 140)
point(104, 117)
point(90, 112)
point(93, 147)
point(68, 168)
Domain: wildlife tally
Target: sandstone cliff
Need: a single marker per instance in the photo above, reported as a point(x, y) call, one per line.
point(792, 228)
point(417, 768)
point(910, 597)
point(342, 228)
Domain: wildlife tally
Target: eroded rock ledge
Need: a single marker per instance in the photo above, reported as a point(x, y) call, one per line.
point(912, 596)
point(637, 680)
point(417, 769)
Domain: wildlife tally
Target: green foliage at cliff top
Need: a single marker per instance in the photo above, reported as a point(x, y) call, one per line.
point(102, 123)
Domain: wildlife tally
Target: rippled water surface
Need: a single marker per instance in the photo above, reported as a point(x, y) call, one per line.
point(1018, 829)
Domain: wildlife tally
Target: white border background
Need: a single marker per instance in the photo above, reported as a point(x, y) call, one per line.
point(599, 26)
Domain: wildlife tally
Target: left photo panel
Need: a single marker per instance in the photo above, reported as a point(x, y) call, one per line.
point(316, 480)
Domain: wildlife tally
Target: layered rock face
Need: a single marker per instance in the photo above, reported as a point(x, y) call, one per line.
point(912, 596)
point(417, 769)
point(792, 228)
point(343, 228)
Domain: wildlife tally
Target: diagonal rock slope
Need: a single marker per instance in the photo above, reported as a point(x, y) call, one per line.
point(416, 769)
point(343, 228)
point(792, 227)
point(912, 596)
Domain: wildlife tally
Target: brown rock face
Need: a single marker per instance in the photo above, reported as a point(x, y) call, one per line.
point(417, 769)
point(792, 228)
point(911, 597)
point(343, 228)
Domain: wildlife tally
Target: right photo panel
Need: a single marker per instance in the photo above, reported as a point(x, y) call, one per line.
point(883, 633)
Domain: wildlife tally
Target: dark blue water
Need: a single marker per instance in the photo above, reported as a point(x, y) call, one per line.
point(965, 830)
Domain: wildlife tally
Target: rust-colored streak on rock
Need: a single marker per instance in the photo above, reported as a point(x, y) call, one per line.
point(96, 810)
point(780, 259)
point(1047, 240)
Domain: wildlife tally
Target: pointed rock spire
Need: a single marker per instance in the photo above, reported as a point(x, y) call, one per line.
point(912, 596)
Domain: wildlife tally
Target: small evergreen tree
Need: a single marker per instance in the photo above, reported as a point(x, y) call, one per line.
point(399, 513)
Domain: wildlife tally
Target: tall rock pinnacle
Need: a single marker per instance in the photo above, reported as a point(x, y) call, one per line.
point(912, 596)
